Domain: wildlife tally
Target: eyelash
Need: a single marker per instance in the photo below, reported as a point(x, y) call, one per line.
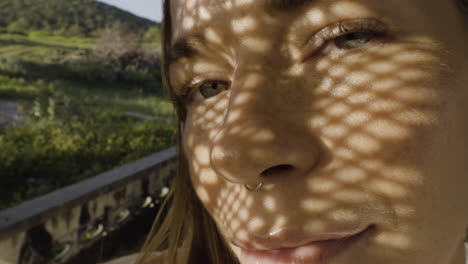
point(190, 86)
point(316, 43)
point(333, 32)
point(357, 25)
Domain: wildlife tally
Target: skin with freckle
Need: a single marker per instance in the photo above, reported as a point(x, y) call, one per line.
point(351, 112)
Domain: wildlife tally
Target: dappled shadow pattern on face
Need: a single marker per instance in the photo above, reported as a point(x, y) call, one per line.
point(341, 138)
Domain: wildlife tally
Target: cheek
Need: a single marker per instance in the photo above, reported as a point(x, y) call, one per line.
point(204, 119)
point(370, 103)
point(383, 116)
point(220, 198)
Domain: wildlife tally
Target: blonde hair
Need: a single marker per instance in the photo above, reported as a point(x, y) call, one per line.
point(186, 233)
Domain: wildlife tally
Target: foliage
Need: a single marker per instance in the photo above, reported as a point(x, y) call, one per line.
point(152, 39)
point(73, 133)
point(70, 17)
point(49, 153)
point(74, 102)
point(115, 40)
point(124, 52)
point(121, 63)
point(19, 88)
point(153, 34)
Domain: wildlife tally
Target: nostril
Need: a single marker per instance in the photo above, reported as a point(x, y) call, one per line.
point(278, 169)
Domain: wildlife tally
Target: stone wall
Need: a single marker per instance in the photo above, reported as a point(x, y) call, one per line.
point(58, 226)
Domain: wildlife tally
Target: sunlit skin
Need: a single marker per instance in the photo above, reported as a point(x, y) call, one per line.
point(372, 132)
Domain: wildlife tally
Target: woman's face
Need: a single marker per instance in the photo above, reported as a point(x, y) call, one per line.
point(351, 112)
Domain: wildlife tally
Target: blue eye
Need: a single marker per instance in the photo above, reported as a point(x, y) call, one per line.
point(211, 88)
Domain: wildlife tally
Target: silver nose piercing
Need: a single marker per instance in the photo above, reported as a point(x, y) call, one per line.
point(254, 189)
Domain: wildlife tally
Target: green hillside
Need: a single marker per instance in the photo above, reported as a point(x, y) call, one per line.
point(68, 17)
point(88, 102)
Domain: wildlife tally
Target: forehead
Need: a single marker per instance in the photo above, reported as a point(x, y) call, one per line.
point(239, 3)
point(187, 15)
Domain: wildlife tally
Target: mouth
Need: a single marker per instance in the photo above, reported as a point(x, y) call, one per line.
point(316, 252)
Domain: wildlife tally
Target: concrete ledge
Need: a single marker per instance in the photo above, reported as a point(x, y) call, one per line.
point(80, 191)
point(63, 215)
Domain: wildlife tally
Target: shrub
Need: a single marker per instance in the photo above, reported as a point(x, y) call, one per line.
point(48, 154)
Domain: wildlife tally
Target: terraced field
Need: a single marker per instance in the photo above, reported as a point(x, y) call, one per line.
point(80, 113)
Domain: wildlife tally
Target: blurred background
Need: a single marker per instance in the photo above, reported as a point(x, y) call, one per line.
point(83, 118)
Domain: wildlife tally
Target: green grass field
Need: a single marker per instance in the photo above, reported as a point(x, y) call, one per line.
point(74, 106)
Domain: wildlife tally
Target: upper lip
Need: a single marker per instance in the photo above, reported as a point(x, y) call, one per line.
point(290, 238)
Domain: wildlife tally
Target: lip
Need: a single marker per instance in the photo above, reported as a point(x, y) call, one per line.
point(316, 251)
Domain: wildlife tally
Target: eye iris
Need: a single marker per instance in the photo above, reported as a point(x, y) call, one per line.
point(352, 40)
point(213, 88)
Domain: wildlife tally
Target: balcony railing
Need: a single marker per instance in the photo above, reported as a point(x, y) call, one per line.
point(56, 227)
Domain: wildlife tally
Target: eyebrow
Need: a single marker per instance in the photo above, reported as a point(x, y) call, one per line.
point(285, 5)
point(186, 47)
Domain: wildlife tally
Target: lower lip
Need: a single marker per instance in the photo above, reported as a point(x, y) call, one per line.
point(319, 252)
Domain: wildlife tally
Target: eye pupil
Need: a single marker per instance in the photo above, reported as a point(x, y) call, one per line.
point(352, 40)
point(212, 88)
point(352, 36)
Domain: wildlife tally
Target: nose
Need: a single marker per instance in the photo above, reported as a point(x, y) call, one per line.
point(263, 140)
point(241, 159)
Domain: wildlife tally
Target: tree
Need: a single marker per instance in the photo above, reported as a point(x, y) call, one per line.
point(153, 34)
point(74, 31)
point(21, 24)
point(117, 40)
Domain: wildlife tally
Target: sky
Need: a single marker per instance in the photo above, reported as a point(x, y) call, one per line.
point(151, 9)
